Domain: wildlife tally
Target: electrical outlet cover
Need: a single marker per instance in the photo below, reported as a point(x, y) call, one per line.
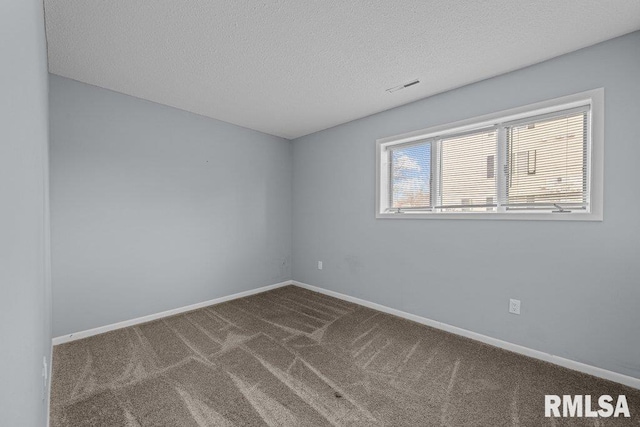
point(514, 306)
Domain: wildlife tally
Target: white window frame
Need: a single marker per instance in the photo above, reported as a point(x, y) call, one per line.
point(595, 159)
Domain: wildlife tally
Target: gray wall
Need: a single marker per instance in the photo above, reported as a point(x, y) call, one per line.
point(25, 326)
point(154, 208)
point(579, 282)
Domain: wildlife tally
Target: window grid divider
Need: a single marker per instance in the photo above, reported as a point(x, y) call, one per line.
point(501, 170)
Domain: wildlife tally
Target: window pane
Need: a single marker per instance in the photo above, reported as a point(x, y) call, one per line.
point(547, 161)
point(467, 165)
point(411, 177)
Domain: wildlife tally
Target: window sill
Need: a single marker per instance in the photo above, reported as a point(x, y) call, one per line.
point(517, 216)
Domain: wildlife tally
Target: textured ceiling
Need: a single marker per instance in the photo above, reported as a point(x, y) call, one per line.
point(293, 67)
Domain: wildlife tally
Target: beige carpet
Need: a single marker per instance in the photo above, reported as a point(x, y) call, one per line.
point(293, 357)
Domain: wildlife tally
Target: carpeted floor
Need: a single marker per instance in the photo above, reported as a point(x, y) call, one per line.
point(293, 357)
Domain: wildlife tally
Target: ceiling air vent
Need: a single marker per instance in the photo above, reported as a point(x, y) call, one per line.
point(402, 86)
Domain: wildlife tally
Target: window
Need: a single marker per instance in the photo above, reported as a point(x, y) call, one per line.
point(561, 140)
point(542, 161)
point(463, 171)
point(411, 177)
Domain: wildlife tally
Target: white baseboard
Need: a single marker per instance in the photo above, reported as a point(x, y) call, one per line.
point(102, 329)
point(49, 380)
point(536, 354)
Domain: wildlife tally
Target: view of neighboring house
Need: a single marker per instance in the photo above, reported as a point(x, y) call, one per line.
point(547, 161)
point(545, 164)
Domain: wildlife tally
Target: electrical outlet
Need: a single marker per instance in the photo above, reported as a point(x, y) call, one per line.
point(514, 306)
point(319, 265)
